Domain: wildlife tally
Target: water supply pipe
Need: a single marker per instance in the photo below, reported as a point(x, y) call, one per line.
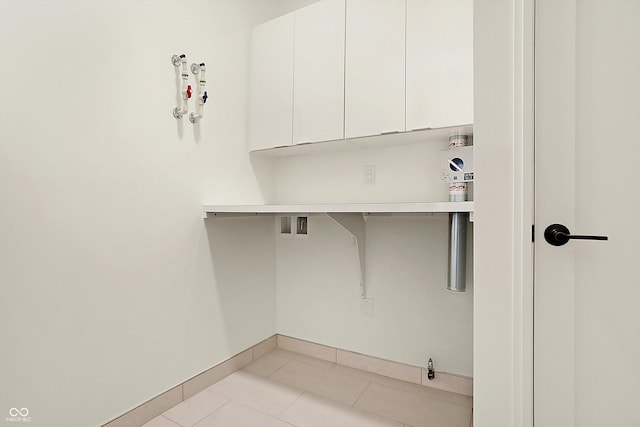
point(183, 109)
point(199, 70)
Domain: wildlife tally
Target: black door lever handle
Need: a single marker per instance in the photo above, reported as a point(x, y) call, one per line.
point(558, 235)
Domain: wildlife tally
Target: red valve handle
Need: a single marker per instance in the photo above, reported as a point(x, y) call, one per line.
point(188, 91)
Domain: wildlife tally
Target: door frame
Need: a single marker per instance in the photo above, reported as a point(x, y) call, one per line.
point(504, 200)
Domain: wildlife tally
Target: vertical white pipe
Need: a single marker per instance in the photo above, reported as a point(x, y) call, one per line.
point(178, 112)
point(200, 70)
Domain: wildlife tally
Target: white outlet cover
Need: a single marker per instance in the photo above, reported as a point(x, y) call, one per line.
point(369, 174)
point(366, 307)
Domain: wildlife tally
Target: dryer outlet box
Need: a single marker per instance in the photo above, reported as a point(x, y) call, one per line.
point(456, 164)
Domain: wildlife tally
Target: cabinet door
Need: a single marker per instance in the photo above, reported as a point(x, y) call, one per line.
point(271, 84)
point(375, 67)
point(318, 94)
point(439, 63)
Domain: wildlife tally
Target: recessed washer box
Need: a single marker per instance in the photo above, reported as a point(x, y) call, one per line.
point(302, 226)
point(456, 164)
point(284, 225)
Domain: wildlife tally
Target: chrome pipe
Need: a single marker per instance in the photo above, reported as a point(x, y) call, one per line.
point(456, 280)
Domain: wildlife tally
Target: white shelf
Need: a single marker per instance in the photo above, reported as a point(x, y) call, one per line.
point(364, 208)
point(374, 141)
point(351, 216)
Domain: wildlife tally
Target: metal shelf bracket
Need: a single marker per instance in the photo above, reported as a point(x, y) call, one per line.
point(354, 223)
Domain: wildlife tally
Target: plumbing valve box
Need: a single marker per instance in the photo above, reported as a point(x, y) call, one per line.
point(457, 164)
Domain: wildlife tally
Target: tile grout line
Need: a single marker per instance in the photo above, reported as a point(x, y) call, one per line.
point(208, 415)
point(305, 362)
point(288, 406)
point(278, 369)
point(254, 409)
point(360, 395)
point(445, 401)
point(371, 413)
point(170, 420)
point(375, 381)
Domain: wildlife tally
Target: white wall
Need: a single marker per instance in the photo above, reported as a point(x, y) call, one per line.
point(286, 6)
point(404, 173)
point(113, 288)
point(415, 317)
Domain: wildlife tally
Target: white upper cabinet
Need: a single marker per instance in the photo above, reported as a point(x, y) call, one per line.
point(318, 90)
point(375, 67)
point(439, 63)
point(271, 84)
point(341, 69)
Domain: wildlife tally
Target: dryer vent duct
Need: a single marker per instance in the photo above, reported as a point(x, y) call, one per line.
point(457, 274)
point(458, 172)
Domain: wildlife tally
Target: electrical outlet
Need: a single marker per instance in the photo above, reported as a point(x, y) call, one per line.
point(366, 307)
point(369, 174)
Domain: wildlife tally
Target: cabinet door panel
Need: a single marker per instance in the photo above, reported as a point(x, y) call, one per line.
point(318, 94)
point(375, 67)
point(271, 84)
point(439, 63)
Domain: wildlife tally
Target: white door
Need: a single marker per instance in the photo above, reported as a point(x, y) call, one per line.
point(587, 292)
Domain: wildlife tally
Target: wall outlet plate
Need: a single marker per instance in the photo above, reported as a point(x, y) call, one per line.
point(366, 307)
point(369, 174)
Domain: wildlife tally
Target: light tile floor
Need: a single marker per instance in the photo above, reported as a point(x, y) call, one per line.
point(284, 389)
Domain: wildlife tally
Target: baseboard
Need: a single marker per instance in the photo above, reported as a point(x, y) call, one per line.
point(170, 398)
point(401, 371)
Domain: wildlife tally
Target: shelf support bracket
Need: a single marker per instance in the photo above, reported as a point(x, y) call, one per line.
point(354, 223)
